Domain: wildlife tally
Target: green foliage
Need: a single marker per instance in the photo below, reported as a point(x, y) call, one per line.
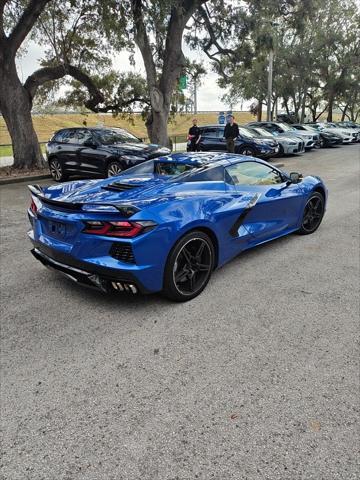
point(316, 45)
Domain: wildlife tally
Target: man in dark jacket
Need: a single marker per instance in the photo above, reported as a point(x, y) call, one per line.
point(231, 132)
point(194, 137)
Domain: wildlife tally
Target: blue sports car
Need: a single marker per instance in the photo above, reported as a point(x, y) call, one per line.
point(166, 224)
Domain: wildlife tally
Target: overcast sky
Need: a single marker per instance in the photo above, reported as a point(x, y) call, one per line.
point(209, 94)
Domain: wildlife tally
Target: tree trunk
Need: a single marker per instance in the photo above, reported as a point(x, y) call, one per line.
point(343, 115)
point(259, 111)
point(330, 109)
point(303, 103)
point(156, 125)
point(286, 105)
point(15, 106)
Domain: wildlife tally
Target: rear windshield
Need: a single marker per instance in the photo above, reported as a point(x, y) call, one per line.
point(115, 135)
point(162, 167)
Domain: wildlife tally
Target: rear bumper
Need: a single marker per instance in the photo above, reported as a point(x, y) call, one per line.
point(86, 273)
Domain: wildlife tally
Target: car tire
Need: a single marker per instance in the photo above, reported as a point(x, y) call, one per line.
point(57, 170)
point(313, 214)
point(322, 143)
point(247, 151)
point(189, 266)
point(114, 168)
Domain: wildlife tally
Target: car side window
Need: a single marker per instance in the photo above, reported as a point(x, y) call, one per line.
point(252, 173)
point(83, 136)
point(62, 137)
point(69, 136)
point(209, 132)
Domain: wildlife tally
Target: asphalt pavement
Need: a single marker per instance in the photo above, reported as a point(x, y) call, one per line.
point(256, 379)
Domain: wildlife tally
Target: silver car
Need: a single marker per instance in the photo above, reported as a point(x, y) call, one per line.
point(287, 145)
point(350, 127)
point(344, 133)
point(283, 129)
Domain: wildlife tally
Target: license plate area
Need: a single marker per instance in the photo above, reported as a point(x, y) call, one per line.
point(55, 229)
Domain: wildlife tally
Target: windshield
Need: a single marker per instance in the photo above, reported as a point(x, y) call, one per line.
point(263, 132)
point(115, 135)
point(285, 127)
point(247, 133)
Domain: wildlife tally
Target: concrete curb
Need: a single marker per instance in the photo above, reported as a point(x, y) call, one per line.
point(7, 181)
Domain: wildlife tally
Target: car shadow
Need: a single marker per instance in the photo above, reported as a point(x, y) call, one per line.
point(93, 296)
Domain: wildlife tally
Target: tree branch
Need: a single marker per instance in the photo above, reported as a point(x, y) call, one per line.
point(212, 34)
point(47, 74)
point(25, 23)
point(142, 41)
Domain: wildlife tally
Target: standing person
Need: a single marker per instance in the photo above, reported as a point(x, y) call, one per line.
point(231, 132)
point(194, 136)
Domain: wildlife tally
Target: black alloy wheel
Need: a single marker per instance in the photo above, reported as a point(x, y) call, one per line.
point(313, 214)
point(247, 151)
point(321, 143)
point(114, 168)
point(57, 170)
point(189, 267)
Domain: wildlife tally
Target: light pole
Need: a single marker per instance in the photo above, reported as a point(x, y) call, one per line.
point(270, 72)
point(195, 95)
point(270, 83)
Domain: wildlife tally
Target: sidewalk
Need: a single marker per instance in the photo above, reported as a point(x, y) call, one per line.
point(6, 161)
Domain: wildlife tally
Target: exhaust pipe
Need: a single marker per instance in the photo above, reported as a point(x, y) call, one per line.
point(124, 287)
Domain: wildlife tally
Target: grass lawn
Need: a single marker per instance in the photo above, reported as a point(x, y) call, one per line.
point(46, 125)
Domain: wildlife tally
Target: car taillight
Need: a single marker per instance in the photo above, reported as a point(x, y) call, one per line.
point(33, 206)
point(118, 229)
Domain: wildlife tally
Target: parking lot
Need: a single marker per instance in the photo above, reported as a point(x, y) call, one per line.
point(257, 378)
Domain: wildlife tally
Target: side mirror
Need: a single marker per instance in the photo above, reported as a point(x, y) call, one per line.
point(295, 177)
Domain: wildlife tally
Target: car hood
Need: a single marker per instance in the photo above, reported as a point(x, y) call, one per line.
point(288, 139)
point(302, 134)
point(291, 135)
point(339, 131)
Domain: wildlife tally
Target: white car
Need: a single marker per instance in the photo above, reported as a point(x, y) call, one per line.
point(285, 130)
point(345, 134)
point(287, 145)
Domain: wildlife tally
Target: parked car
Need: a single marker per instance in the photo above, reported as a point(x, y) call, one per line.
point(326, 139)
point(96, 151)
point(325, 127)
point(287, 145)
point(351, 126)
point(166, 224)
point(279, 128)
point(212, 139)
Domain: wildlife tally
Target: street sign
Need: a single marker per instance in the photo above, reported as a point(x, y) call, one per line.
point(182, 82)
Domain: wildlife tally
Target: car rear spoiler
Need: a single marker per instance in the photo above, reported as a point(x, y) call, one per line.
point(124, 210)
point(36, 190)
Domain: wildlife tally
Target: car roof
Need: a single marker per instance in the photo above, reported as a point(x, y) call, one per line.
point(91, 128)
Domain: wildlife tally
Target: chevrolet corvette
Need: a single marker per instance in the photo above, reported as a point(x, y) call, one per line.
point(166, 224)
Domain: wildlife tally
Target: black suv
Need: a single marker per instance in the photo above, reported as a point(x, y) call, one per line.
point(247, 143)
point(96, 151)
